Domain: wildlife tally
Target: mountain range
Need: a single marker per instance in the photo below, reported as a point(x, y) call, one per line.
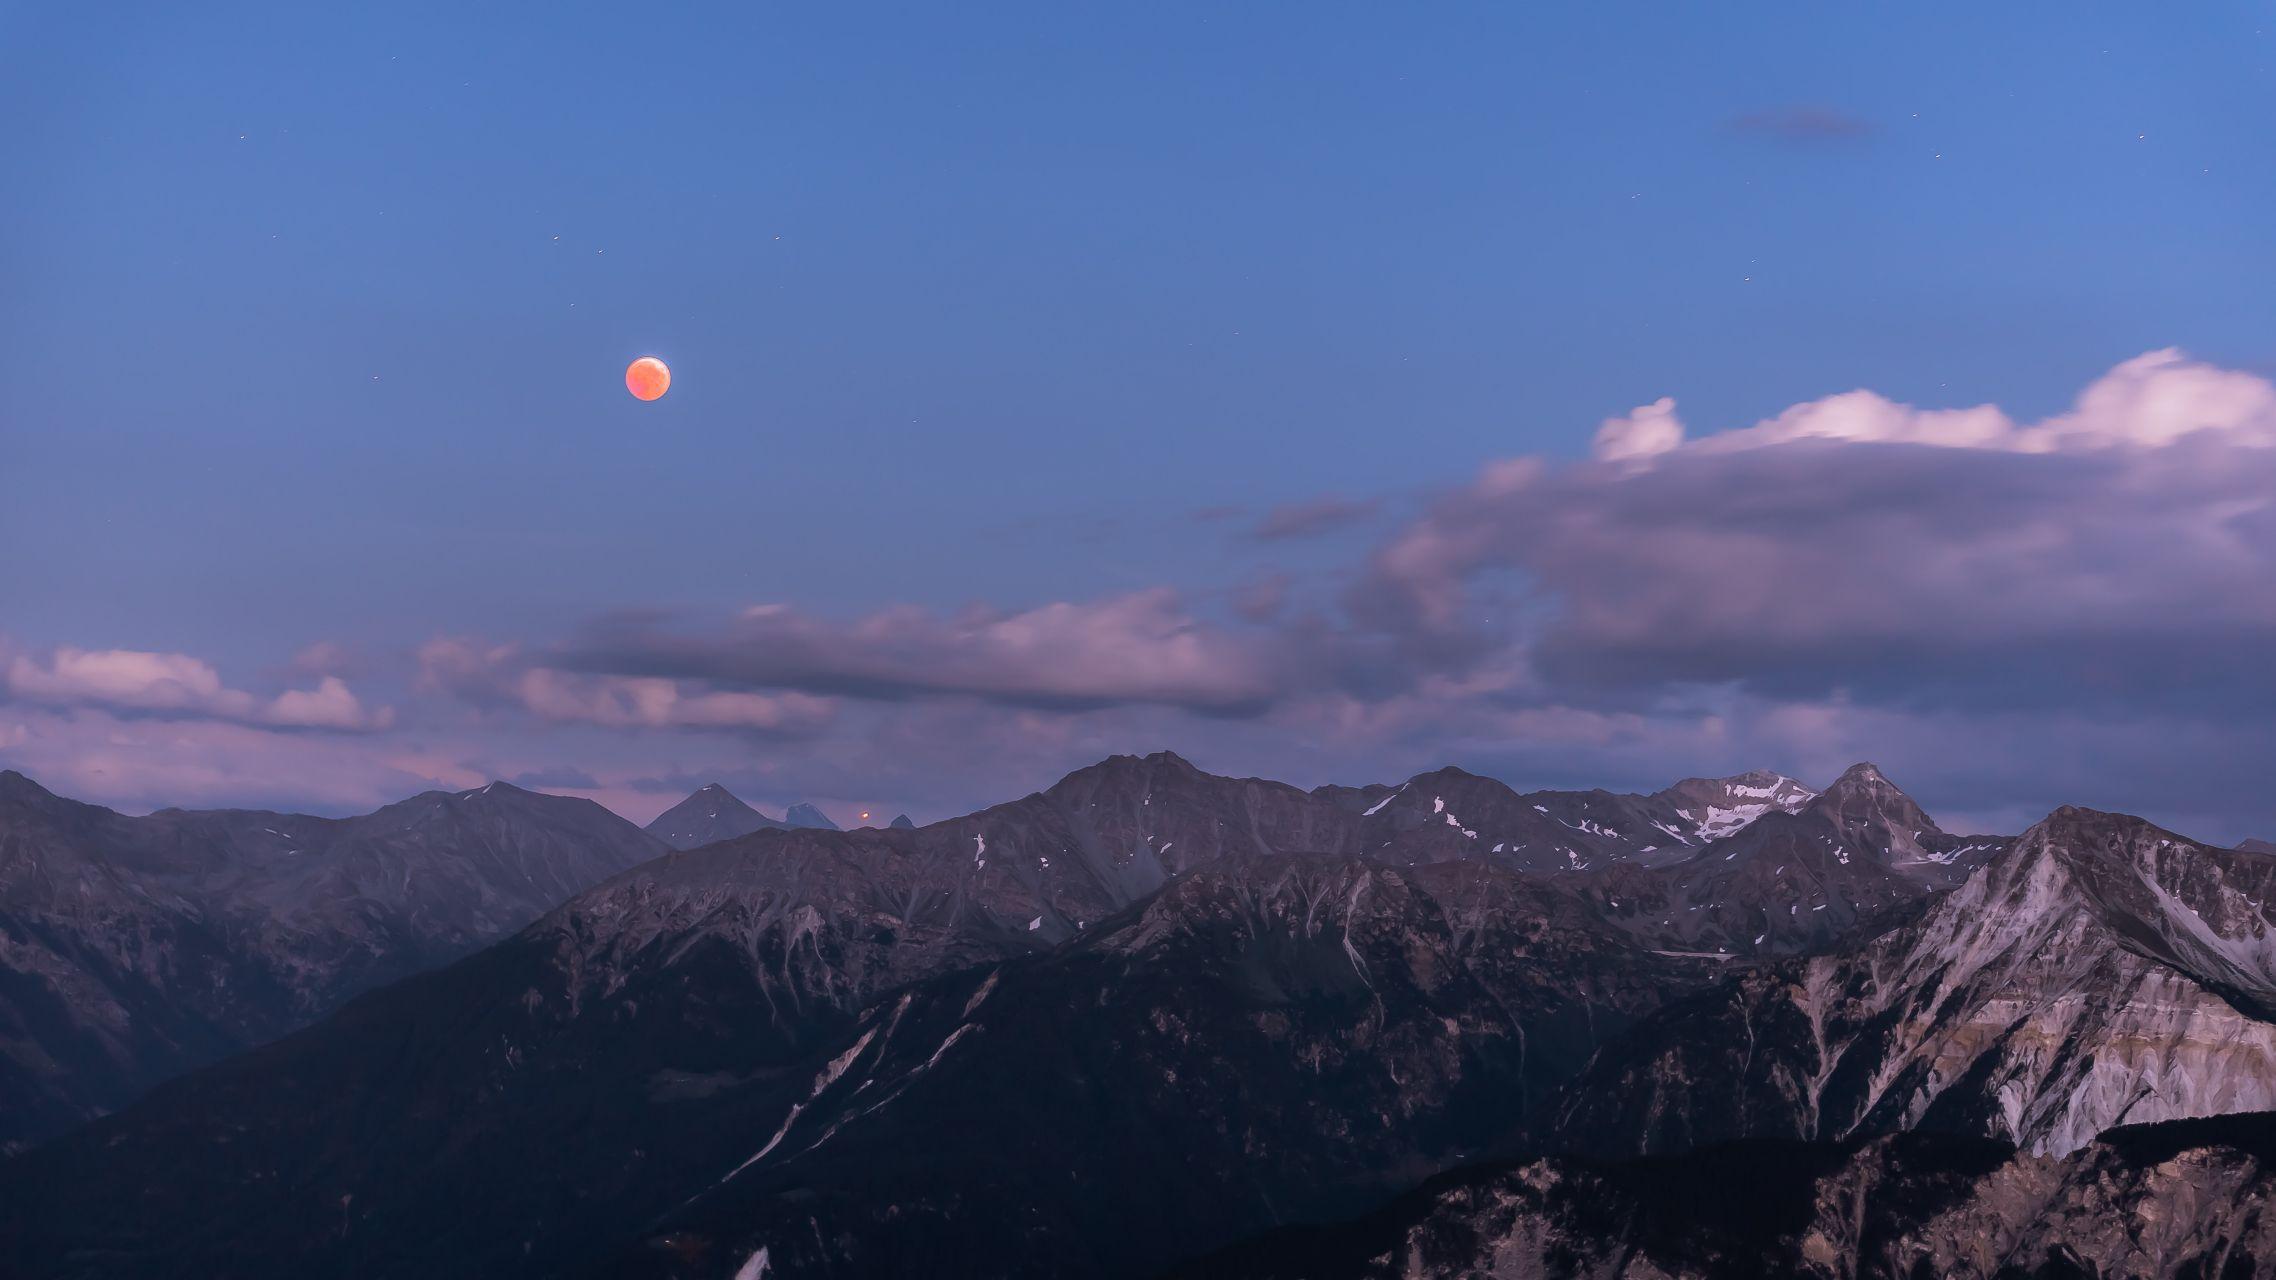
point(1153, 1019)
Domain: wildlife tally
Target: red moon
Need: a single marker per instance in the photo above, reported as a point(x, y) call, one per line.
point(647, 378)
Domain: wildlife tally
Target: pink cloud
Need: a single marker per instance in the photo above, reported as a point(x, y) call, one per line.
point(1139, 648)
point(631, 702)
point(1856, 543)
point(1314, 518)
point(174, 684)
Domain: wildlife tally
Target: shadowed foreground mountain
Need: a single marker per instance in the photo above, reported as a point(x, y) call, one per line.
point(1148, 1012)
point(133, 949)
point(2182, 1199)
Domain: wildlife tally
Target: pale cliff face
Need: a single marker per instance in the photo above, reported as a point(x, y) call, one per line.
point(2101, 973)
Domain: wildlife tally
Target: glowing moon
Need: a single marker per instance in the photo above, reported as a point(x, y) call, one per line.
point(647, 378)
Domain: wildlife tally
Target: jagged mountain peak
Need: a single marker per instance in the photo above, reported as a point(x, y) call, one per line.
point(2207, 911)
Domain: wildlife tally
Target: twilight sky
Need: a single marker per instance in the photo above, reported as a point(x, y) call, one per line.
point(1322, 391)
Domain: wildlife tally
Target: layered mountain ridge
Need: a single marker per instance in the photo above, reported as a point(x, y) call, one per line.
point(1020, 1041)
point(2178, 1199)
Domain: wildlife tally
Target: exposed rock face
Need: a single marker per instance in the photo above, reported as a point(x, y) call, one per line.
point(901, 822)
point(132, 949)
point(709, 815)
point(2101, 972)
point(2183, 1199)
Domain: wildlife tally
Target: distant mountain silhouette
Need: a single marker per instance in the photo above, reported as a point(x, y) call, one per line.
point(710, 815)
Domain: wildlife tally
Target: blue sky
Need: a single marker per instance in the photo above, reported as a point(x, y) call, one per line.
point(313, 322)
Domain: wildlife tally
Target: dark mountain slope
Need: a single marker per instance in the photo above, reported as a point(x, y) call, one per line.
point(1267, 1040)
point(777, 1032)
point(132, 949)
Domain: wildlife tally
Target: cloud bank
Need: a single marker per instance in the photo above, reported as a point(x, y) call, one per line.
point(2008, 614)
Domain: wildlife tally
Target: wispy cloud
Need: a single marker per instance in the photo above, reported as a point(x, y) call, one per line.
point(1314, 518)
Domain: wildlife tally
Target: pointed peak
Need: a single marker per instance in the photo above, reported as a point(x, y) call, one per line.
point(1862, 774)
point(710, 813)
point(1863, 796)
point(805, 815)
point(2257, 845)
point(901, 823)
point(713, 799)
point(13, 783)
point(495, 789)
point(1447, 773)
point(16, 789)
